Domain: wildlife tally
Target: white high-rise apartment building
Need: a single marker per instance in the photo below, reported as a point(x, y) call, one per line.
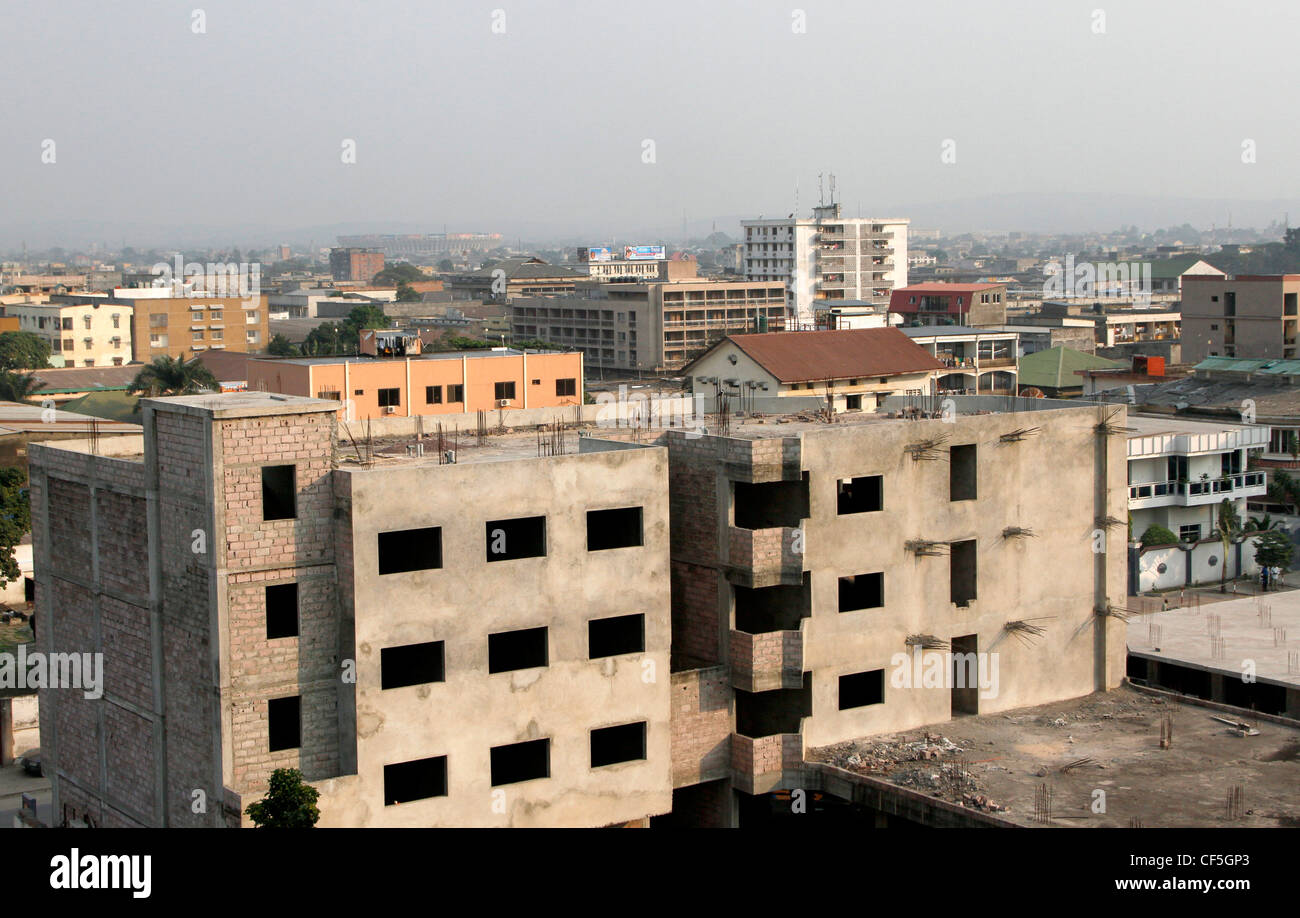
point(828, 257)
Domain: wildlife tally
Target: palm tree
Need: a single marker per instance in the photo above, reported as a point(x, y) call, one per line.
point(1263, 523)
point(174, 376)
point(1228, 527)
point(1284, 489)
point(18, 387)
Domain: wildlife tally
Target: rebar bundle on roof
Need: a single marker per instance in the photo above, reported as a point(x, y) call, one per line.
point(1020, 433)
point(927, 449)
point(1024, 630)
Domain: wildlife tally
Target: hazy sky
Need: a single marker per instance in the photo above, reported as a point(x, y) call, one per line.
point(542, 127)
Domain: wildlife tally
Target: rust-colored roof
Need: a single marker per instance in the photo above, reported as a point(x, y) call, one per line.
point(843, 354)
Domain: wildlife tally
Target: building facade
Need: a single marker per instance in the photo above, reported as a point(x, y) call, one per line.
point(448, 383)
point(1249, 316)
point(827, 257)
point(653, 327)
point(355, 264)
point(84, 334)
point(938, 304)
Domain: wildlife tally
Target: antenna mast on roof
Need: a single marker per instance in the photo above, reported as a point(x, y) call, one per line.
point(832, 187)
point(821, 195)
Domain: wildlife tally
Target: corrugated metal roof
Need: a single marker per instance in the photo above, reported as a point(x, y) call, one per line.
point(842, 354)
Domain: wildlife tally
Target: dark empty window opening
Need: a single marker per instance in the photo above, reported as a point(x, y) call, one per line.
point(962, 560)
point(358, 391)
point(772, 504)
point(612, 637)
point(504, 390)
point(511, 650)
point(613, 528)
point(411, 664)
point(410, 550)
point(390, 398)
point(279, 492)
point(778, 711)
point(774, 608)
point(456, 393)
point(865, 591)
point(284, 722)
point(508, 540)
point(861, 689)
point(282, 611)
point(566, 387)
point(853, 402)
point(611, 745)
point(433, 395)
point(860, 495)
point(418, 780)
point(521, 762)
point(961, 472)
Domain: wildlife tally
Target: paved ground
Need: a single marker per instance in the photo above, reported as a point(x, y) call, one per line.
point(1000, 763)
point(13, 784)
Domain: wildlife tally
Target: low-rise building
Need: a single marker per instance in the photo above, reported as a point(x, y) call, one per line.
point(1249, 316)
point(968, 305)
point(852, 370)
point(450, 383)
point(978, 360)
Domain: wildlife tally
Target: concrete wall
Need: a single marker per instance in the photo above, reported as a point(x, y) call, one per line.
point(469, 598)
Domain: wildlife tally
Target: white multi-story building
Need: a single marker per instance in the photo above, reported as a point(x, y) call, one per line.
point(1180, 471)
point(89, 334)
point(827, 257)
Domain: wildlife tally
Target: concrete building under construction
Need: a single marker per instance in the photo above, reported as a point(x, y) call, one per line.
point(588, 628)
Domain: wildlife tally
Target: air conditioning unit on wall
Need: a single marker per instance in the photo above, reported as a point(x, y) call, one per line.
point(390, 409)
point(503, 403)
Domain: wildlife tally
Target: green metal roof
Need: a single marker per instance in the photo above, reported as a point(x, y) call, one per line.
point(1055, 368)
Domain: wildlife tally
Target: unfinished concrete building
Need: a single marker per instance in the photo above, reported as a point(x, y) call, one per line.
point(577, 631)
point(461, 644)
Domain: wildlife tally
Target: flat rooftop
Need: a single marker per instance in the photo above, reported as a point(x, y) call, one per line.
point(438, 355)
point(1246, 627)
point(1110, 741)
point(1144, 426)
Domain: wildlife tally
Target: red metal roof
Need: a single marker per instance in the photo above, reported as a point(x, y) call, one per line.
point(842, 354)
point(899, 297)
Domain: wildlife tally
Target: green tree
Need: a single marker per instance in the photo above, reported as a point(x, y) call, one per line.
point(23, 351)
point(1274, 549)
point(398, 274)
point(1262, 523)
point(288, 804)
point(1228, 527)
point(1284, 489)
point(407, 294)
point(365, 316)
point(280, 346)
point(17, 387)
point(174, 376)
point(1157, 535)
point(328, 339)
point(446, 265)
point(15, 521)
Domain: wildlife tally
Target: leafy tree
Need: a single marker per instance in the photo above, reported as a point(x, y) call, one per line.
point(407, 294)
point(446, 265)
point(365, 316)
point(1228, 527)
point(1157, 535)
point(23, 351)
point(1274, 549)
point(15, 521)
point(17, 387)
point(328, 340)
point(288, 804)
point(174, 376)
point(398, 274)
point(280, 346)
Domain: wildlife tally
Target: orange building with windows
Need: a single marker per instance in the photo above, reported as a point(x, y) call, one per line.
point(429, 384)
